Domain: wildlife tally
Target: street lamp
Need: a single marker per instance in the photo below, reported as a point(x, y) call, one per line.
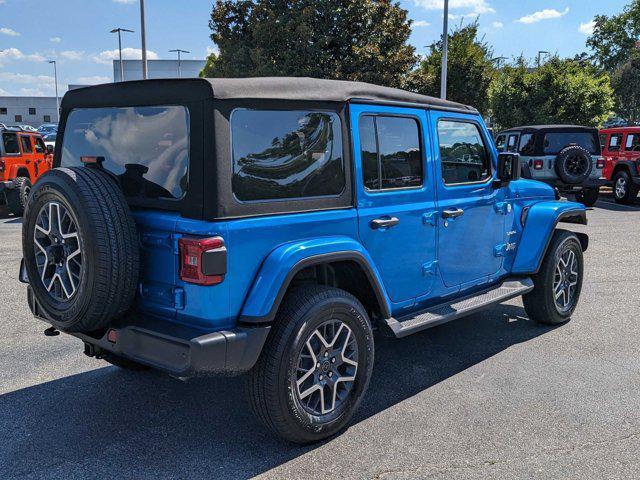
point(55, 74)
point(143, 35)
point(539, 53)
point(445, 46)
point(119, 31)
point(179, 51)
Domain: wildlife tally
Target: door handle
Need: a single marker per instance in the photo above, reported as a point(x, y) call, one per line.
point(384, 222)
point(455, 213)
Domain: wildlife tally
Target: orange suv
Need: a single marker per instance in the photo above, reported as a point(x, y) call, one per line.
point(23, 158)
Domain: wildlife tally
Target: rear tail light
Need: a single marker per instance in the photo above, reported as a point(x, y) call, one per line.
point(203, 261)
point(600, 163)
point(538, 164)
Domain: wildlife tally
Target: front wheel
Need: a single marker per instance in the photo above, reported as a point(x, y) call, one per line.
point(315, 367)
point(588, 196)
point(558, 283)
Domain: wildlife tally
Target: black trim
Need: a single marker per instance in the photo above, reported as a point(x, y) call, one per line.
point(318, 260)
point(214, 262)
point(568, 216)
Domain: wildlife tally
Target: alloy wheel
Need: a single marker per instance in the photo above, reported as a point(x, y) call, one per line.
point(565, 280)
point(621, 187)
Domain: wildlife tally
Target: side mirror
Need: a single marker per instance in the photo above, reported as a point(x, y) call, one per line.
point(50, 149)
point(508, 167)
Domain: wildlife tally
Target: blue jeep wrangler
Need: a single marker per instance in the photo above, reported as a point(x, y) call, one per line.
point(270, 225)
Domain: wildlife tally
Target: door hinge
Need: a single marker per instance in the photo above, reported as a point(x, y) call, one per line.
point(502, 207)
point(430, 268)
point(430, 218)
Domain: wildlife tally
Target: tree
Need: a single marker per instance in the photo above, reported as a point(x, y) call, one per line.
point(613, 39)
point(560, 91)
point(469, 73)
point(626, 83)
point(363, 40)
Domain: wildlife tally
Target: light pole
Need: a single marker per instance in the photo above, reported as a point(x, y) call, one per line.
point(143, 35)
point(55, 76)
point(541, 52)
point(445, 46)
point(119, 31)
point(179, 51)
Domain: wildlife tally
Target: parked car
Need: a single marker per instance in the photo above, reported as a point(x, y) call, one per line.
point(50, 139)
point(567, 157)
point(26, 128)
point(23, 158)
point(615, 122)
point(269, 225)
point(621, 150)
point(47, 128)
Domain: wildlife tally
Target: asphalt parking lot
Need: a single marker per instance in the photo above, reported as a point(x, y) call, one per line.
point(489, 396)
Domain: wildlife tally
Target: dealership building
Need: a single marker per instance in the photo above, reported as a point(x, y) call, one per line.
point(35, 111)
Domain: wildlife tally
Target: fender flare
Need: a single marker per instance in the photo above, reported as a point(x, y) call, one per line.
point(541, 221)
point(628, 165)
point(283, 263)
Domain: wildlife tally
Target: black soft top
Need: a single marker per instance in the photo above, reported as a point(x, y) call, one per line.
point(550, 128)
point(259, 88)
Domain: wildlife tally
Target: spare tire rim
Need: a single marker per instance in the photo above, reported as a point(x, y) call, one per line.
point(58, 255)
point(326, 368)
point(576, 164)
point(565, 280)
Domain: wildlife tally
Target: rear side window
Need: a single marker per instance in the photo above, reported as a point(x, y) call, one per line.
point(10, 142)
point(512, 143)
point(26, 144)
point(633, 142)
point(500, 143)
point(391, 152)
point(615, 141)
point(146, 147)
point(527, 144)
point(286, 154)
point(463, 155)
point(556, 141)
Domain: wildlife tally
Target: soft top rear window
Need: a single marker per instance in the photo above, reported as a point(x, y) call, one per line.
point(556, 141)
point(146, 147)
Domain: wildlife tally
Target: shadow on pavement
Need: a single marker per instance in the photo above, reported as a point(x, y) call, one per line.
point(117, 424)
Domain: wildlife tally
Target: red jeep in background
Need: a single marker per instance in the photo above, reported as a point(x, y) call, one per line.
point(621, 151)
point(23, 158)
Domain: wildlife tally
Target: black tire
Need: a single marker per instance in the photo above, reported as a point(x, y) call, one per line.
point(588, 196)
point(17, 196)
point(273, 383)
point(540, 304)
point(105, 244)
point(573, 164)
point(624, 191)
point(125, 363)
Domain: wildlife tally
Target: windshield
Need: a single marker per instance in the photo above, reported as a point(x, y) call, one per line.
point(146, 147)
point(556, 141)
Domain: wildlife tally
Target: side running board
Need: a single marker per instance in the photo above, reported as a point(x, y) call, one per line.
point(460, 307)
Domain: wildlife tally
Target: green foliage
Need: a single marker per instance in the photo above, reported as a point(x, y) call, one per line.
point(560, 91)
point(469, 73)
point(613, 39)
point(351, 40)
point(626, 83)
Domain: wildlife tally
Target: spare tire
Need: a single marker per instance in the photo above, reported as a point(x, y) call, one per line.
point(574, 164)
point(80, 248)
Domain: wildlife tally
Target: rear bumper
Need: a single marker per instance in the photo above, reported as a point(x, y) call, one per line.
point(588, 183)
point(173, 348)
point(6, 185)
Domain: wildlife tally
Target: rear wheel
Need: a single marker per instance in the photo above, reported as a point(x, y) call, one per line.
point(558, 283)
point(624, 191)
point(315, 366)
point(588, 196)
point(17, 197)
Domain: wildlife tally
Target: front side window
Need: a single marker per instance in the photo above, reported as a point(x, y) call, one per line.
point(463, 155)
point(40, 147)
point(527, 146)
point(556, 141)
point(500, 143)
point(286, 154)
point(614, 142)
point(146, 147)
point(633, 142)
point(391, 152)
point(10, 142)
point(512, 143)
point(26, 144)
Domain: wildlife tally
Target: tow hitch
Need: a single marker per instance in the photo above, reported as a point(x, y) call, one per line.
point(93, 351)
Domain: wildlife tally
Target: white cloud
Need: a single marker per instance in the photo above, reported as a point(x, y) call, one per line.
point(93, 80)
point(9, 31)
point(587, 28)
point(32, 92)
point(128, 53)
point(55, 39)
point(497, 24)
point(15, 54)
point(545, 14)
point(421, 23)
point(72, 54)
point(476, 6)
point(211, 50)
point(35, 85)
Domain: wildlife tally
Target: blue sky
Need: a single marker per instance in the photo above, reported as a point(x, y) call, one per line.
point(76, 33)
